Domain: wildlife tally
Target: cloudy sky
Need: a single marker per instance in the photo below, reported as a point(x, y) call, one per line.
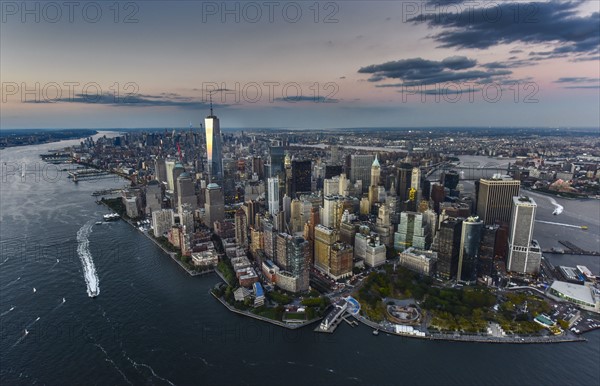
point(300, 64)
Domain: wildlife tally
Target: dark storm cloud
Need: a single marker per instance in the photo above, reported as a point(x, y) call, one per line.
point(419, 71)
point(496, 23)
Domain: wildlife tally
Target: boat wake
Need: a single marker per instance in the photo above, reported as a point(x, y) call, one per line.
point(7, 312)
point(1, 264)
point(83, 250)
point(558, 209)
point(109, 360)
point(12, 282)
point(135, 365)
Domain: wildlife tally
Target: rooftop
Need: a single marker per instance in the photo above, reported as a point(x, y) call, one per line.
point(574, 291)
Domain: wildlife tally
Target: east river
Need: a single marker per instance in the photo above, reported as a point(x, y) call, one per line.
point(154, 324)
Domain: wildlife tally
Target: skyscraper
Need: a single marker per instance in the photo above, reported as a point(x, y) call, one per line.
point(447, 246)
point(524, 255)
point(186, 192)
point(495, 197)
point(241, 228)
point(300, 181)
point(169, 166)
point(298, 261)
point(470, 241)
point(360, 169)
point(214, 152)
point(412, 232)
point(374, 186)
point(273, 194)
point(404, 181)
point(214, 207)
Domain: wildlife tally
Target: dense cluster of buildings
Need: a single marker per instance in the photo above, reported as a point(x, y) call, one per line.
point(291, 213)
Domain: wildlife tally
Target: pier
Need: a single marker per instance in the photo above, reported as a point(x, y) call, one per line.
point(87, 174)
point(572, 249)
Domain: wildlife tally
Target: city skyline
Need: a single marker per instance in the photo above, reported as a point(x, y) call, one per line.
point(330, 65)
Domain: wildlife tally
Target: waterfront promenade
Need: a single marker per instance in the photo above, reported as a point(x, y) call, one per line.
point(476, 338)
point(291, 326)
point(172, 255)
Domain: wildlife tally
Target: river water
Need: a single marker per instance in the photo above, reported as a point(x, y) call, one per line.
point(154, 324)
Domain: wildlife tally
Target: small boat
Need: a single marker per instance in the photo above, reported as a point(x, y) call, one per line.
point(34, 290)
point(584, 227)
point(64, 300)
point(375, 332)
point(111, 217)
point(26, 332)
point(98, 222)
point(93, 294)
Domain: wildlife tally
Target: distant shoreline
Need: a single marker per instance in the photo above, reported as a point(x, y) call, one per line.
point(24, 137)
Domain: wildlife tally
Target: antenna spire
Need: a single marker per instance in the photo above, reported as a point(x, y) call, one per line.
point(211, 108)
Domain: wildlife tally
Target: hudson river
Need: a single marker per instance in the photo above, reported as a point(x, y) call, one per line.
point(154, 324)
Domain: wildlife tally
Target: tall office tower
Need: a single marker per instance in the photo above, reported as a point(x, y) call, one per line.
point(298, 261)
point(365, 206)
point(375, 172)
point(309, 230)
point(258, 167)
point(300, 178)
point(160, 170)
point(447, 246)
point(279, 221)
point(296, 223)
point(162, 221)
point(281, 246)
point(340, 261)
point(273, 194)
point(524, 254)
point(154, 196)
point(251, 208)
point(344, 185)
point(186, 218)
point(450, 179)
point(269, 238)
point(487, 250)
point(186, 192)
point(415, 183)
point(169, 166)
point(438, 194)
point(214, 151)
point(347, 229)
point(229, 178)
point(287, 208)
point(403, 179)
point(325, 237)
point(375, 251)
point(494, 202)
point(329, 216)
point(177, 171)
point(241, 228)
point(470, 242)
point(331, 186)
point(374, 186)
point(384, 227)
point(276, 160)
point(335, 154)
point(391, 200)
point(431, 219)
point(413, 231)
point(333, 170)
point(214, 206)
point(360, 169)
